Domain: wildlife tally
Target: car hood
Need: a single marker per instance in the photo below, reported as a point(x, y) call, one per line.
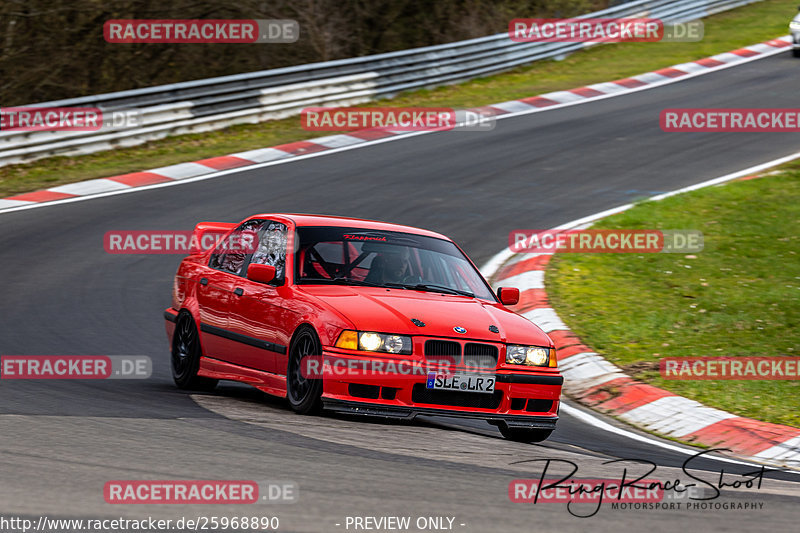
point(392, 310)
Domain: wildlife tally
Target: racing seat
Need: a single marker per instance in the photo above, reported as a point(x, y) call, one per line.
point(376, 270)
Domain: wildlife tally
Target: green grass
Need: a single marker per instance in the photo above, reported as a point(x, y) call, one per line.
point(723, 32)
point(740, 296)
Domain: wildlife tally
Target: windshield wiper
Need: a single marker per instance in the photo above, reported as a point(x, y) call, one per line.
point(438, 288)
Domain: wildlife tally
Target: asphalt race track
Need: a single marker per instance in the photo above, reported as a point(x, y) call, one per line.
point(60, 441)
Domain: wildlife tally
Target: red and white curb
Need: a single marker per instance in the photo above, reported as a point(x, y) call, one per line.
point(598, 384)
point(212, 167)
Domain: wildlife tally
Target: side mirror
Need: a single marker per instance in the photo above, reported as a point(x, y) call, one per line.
point(261, 273)
point(508, 295)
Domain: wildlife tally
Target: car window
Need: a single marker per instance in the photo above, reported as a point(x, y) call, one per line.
point(357, 256)
point(331, 259)
point(232, 252)
point(271, 248)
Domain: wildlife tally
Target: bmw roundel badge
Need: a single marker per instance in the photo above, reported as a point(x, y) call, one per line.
point(459, 329)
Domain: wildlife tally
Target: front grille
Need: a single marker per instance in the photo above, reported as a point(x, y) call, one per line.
point(480, 355)
point(443, 352)
point(421, 394)
point(437, 347)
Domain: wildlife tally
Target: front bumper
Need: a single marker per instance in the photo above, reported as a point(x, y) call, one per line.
point(521, 399)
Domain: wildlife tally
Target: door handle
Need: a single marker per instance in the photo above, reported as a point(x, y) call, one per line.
point(238, 291)
point(203, 281)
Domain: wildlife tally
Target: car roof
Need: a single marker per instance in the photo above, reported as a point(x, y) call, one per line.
point(301, 220)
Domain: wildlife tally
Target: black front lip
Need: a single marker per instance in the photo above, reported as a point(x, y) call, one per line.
point(409, 413)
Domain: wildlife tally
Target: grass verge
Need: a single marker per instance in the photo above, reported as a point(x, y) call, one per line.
point(723, 32)
point(740, 296)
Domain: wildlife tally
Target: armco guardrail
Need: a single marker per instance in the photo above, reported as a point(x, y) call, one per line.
point(215, 103)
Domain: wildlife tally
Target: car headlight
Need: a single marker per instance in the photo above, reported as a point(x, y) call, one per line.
point(369, 341)
point(528, 355)
point(794, 25)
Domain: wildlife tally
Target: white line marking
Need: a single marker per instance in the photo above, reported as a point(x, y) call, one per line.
point(692, 67)
point(675, 416)
point(563, 97)
point(181, 171)
point(583, 416)
point(499, 259)
point(6, 204)
point(95, 186)
point(654, 79)
point(607, 87)
point(207, 176)
point(546, 318)
point(335, 141)
point(760, 48)
point(588, 370)
point(728, 57)
point(786, 451)
point(513, 106)
point(262, 155)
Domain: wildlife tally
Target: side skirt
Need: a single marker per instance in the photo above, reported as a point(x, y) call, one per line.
point(268, 382)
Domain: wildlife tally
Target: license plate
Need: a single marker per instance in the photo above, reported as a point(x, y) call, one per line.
point(483, 383)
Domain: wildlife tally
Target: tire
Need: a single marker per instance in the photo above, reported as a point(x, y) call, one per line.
point(304, 395)
point(524, 434)
point(796, 52)
point(185, 360)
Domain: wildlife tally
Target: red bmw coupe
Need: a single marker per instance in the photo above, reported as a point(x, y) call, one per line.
point(400, 318)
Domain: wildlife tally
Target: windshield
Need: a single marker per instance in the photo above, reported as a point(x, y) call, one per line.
point(355, 256)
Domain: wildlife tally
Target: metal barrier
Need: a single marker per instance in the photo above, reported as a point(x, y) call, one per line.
point(204, 105)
